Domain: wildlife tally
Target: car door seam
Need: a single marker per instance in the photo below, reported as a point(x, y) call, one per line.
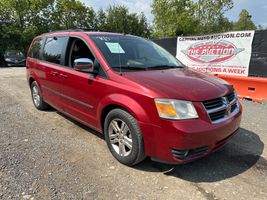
point(69, 98)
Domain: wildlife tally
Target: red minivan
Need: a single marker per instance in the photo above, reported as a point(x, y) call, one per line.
point(140, 97)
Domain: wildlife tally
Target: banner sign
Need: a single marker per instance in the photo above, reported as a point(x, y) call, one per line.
point(224, 53)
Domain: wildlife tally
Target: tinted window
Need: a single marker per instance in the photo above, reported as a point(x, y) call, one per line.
point(35, 51)
point(14, 54)
point(54, 46)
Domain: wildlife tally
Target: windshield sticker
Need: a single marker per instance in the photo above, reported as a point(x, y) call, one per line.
point(103, 38)
point(114, 47)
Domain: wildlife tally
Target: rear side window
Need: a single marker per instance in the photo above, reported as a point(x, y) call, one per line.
point(53, 49)
point(35, 51)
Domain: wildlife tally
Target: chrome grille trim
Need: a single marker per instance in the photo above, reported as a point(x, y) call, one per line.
point(222, 108)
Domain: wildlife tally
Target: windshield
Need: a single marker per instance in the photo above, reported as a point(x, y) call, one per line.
point(127, 53)
point(14, 53)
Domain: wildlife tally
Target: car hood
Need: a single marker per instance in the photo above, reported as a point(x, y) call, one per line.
point(181, 83)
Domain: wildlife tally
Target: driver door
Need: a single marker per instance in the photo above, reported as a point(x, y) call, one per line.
point(81, 93)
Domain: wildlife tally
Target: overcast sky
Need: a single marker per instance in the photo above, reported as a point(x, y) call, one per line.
point(257, 8)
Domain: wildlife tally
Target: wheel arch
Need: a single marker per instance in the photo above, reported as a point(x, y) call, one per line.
point(31, 80)
point(122, 102)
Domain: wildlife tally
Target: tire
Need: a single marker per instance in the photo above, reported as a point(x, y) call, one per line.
point(37, 97)
point(4, 64)
point(122, 129)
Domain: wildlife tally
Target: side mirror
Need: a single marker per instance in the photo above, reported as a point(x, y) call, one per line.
point(84, 65)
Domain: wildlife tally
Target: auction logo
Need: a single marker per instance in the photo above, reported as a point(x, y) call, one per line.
point(212, 51)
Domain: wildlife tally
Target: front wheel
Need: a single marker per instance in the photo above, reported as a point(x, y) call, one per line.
point(123, 137)
point(4, 64)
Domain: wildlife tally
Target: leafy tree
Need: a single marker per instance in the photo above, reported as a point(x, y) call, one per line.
point(211, 15)
point(118, 19)
point(143, 28)
point(22, 20)
point(13, 20)
point(244, 22)
point(173, 17)
point(71, 14)
point(101, 21)
point(188, 17)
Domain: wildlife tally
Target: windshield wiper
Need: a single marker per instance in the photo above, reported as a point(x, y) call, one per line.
point(128, 67)
point(164, 67)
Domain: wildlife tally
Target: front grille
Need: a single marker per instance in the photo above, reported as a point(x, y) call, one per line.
point(191, 153)
point(217, 115)
point(233, 107)
point(213, 103)
point(231, 97)
point(220, 109)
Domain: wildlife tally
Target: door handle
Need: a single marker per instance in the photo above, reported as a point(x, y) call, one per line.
point(54, 73)
point(64, 76)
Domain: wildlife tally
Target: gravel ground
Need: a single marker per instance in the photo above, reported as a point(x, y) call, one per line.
point(45, 155)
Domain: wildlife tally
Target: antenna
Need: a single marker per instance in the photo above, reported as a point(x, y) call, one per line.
point(119, 50)
point(117, 30)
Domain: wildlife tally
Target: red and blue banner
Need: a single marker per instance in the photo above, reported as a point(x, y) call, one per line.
point(223, 53)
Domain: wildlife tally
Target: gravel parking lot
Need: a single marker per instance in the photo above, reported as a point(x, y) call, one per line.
point(46, 155)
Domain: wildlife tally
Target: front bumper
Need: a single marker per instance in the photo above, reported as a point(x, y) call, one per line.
point(180, 142)
point(16, 64)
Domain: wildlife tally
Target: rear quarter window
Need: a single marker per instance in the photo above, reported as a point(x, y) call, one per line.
point(35, 51)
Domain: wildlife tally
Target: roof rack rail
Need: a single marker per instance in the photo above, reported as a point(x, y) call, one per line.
point(69, 30)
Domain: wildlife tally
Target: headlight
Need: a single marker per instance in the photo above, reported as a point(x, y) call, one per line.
point(8, 59)
point(176, 109)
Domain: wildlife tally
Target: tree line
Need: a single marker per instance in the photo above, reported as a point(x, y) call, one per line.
point(22, 20)
point(189, 17)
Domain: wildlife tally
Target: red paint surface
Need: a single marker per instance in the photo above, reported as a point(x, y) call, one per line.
point(135, 92)
point(211, 52)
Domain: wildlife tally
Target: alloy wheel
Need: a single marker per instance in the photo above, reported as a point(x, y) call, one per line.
point(120, 137)
point(36, 96)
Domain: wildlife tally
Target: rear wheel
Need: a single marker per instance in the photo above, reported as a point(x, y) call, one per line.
point(123, 137)
point(37, 97)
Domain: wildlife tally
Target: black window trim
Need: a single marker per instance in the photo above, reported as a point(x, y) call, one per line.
point(89, 47)
point(110, 68)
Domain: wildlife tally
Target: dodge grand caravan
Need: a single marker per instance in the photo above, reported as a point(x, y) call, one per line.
point(144, 101)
